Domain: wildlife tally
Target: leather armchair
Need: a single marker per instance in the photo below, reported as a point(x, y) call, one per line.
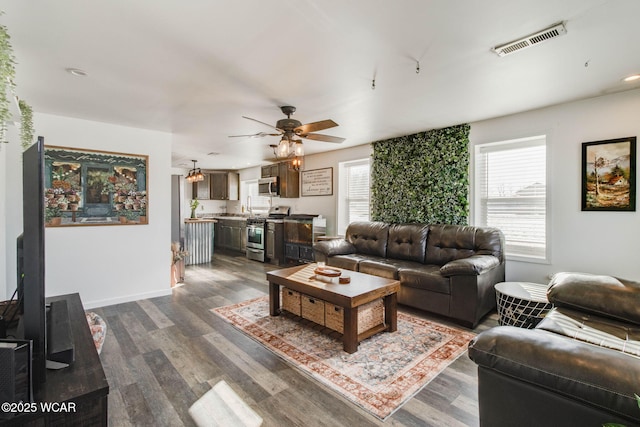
point(580, 366)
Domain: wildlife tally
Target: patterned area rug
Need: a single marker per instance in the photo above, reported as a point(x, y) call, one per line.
point(386, 371)
point(98, 329)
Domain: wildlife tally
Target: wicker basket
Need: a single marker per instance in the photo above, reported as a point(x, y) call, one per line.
point(312, 309)
point(291, 301)
point(369, 315)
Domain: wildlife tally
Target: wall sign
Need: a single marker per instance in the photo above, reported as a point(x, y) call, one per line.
point(317, 182)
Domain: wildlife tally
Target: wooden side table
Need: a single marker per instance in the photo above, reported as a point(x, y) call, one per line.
point(521, 304)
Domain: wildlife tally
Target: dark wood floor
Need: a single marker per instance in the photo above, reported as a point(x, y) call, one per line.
point(162, 354)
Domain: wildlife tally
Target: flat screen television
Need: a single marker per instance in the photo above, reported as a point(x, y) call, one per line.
point(32, 262)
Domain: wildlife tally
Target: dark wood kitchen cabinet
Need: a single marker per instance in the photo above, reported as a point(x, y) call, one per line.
point(224, 186)
point(289, 181)
point(202, 189)
point(269, 171)
point(230, 234)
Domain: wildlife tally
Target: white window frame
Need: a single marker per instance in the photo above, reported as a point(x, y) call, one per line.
point(477, 212)
point(259, 204)
point(342, 213)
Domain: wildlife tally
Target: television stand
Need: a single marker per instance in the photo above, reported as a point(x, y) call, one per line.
point(83, 384)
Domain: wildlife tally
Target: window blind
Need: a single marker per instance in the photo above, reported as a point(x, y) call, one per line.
point(353, 200)
point(511, 191)
point(358, 192)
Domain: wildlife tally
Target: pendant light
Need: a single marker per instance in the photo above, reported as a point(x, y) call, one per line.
point(195, 175)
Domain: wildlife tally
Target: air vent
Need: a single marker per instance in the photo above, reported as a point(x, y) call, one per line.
point(552, 32)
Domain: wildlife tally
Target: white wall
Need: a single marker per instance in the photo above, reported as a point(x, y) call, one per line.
point(321, 205)
point(111, 264)
point(10, 209)
point(592, 242)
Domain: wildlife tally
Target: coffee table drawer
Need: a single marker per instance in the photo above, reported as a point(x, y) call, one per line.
point(291, 301)
point(312, 309)
point(369, 315)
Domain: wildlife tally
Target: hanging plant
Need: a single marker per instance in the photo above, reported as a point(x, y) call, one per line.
point(7, 74)
point(26, 124)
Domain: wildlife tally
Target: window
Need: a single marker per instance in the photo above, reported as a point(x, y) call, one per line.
point(259, 204)
point(510, 194)
point(353, 192)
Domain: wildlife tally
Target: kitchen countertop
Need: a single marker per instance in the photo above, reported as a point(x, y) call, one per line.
point(200, 220)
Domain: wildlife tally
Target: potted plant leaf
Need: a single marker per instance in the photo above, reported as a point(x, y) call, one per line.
point(52, 215)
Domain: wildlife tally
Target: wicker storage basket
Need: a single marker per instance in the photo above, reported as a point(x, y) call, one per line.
point(291, 301)
point(312, 309)
point(369, 315)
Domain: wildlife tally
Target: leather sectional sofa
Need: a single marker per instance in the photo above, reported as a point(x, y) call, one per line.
point(444, 269)
point(580, 366)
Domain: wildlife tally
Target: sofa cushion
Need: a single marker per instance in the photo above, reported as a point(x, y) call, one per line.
point(600, 331)
point(369, 238)
point(425, 277)
point(349, 262)
point(602, 295)
point(449, 242)
point(379, 267)
point(407, 241)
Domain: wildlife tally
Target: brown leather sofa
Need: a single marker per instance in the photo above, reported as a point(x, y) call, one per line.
point(444, 269)
point(580, 366)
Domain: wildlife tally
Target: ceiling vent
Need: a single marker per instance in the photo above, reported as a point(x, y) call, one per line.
point(552, 32)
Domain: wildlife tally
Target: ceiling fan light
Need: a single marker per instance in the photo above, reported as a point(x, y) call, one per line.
point(299, 149)
point(283, 148)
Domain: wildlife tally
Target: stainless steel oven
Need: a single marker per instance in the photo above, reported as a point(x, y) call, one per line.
point(256, 238)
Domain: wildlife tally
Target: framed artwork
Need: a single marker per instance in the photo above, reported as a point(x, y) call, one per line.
point(317, 182)
point(609, 175)
point(91, 187)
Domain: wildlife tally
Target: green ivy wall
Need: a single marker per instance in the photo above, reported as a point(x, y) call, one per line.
point(422, 177)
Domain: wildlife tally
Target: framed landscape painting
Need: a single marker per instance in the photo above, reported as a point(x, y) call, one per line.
point(609, 175)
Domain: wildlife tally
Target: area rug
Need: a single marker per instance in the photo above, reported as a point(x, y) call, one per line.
point(98, 329)
point(385, 372)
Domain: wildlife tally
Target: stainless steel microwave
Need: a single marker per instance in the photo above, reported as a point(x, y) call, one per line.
point(269, 187)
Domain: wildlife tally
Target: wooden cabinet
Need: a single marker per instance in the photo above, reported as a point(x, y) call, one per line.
point(269, 171)
point(289, 181)
point(274, 249)
point(230, 234)
point(202, 189)
point(225, 186)
point(84, 383)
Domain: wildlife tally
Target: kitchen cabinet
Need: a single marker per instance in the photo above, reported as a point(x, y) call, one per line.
point(269, 171)
point(202, 189)
point(231, 234)
point(289, 181)
point(274, 250)
point(224, 186)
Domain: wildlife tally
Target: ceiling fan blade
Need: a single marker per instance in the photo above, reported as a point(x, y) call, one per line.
point(255, 135)
point(315, 126)
point(325, 138)
point(266, 124)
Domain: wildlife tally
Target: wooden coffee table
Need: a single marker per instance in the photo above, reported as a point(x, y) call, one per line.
point(363, 288)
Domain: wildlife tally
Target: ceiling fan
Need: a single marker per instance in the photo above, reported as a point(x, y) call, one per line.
point(292, 130)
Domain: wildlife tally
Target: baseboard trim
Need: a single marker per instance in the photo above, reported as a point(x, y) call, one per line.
point(127, 298)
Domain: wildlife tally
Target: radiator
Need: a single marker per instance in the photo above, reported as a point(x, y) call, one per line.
point(198, 242)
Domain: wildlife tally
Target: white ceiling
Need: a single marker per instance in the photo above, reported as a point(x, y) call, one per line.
point(195, 67)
